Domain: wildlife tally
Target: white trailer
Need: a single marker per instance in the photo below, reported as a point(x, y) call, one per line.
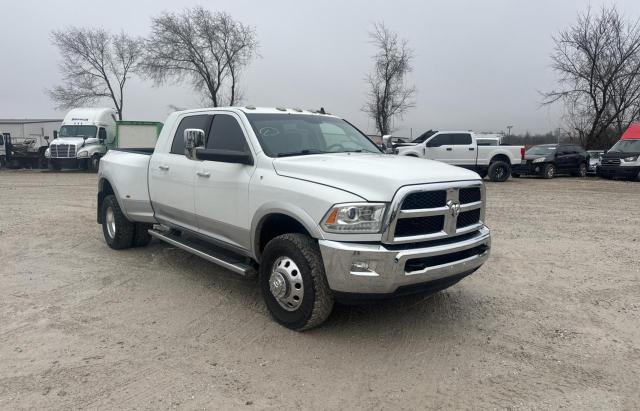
point(24, 141)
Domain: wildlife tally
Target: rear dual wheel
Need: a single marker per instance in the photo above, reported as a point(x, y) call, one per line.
point(120, 233)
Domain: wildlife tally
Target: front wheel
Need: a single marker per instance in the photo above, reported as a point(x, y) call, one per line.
point(94, 163)
point(499, 171)
point(293, 282)
point(582, 170)
point(549, 171)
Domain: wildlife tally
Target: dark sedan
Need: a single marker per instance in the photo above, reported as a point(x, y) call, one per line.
point(548, 160)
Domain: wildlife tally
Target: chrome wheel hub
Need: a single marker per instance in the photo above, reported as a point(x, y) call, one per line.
point(285, 283)
point(110, 220)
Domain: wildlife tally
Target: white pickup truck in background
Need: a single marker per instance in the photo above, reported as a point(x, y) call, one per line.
point(304, 200)
point(460, 148)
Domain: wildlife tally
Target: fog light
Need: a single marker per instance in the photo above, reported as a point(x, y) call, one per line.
point(360, 267)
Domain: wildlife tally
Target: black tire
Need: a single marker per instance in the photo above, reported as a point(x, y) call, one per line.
point(43, 162)
point(549, 171)
point(53, 165)
point(141, 236)
point(124, 230)
point(582, 170)
point(515, 175)
point(317, 301)
point(93, 163)
point(499, 171)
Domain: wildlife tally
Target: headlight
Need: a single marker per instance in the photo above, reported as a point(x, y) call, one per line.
point(631, 159)
point(83, 154)
point(354, 218)
point(539, 160)
point(47, 153)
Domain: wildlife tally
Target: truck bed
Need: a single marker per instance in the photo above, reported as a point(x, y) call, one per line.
point(126, 169)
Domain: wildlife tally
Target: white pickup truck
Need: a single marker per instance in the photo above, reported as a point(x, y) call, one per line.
point(303, 200)
point(461, 148)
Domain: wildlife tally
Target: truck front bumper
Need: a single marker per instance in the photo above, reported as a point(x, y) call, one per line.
point(618, 171)
point(380, 269)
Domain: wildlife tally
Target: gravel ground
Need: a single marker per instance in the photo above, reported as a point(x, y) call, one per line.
point(551, 321)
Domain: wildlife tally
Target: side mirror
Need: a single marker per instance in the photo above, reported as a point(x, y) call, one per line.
point(46, 138)
point(387, 143)
point(193, 138)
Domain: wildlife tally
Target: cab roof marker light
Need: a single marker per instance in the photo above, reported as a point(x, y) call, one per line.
point(250, 107)
point(281, 109)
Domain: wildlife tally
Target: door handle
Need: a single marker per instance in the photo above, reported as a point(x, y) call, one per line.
point(163, 167)
point(471, 148)
point(204, 174)
point(449, 149)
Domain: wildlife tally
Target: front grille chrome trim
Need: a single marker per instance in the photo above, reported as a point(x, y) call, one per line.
point(450, 221)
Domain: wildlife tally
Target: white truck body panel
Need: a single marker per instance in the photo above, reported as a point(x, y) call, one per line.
point(465, 155)
point(226, 202)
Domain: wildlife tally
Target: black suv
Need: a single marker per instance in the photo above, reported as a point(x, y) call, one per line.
point(547, 160)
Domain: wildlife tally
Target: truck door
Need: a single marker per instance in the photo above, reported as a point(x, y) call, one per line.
point(464, 151)
point(440, 148)
point(172, 178)
point(222, 188)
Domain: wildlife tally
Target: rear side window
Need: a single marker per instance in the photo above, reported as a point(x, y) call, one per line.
point(226, 134)
point(201, 121)
point(441, 140)
point(462, 139)
point(1, 140)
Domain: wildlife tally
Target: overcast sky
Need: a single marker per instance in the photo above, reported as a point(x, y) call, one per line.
point(478, 64)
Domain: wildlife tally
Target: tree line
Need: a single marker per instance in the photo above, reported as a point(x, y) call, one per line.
point(210, 50)
point(597, 60)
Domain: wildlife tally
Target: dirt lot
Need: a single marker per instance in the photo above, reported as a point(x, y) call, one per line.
point(551, 321)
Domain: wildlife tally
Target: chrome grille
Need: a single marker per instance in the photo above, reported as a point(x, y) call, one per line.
point(435, 211)
point(610, 162)
point(62, 150)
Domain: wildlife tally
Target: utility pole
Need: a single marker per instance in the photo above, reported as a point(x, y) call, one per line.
point(509, 132)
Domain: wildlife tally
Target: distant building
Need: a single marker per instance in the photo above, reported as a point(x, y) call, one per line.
point(25, 140)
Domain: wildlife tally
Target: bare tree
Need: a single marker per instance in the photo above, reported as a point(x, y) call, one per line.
point(95, 65)
point(210, 49)
point(389, 96)
point(598, 60)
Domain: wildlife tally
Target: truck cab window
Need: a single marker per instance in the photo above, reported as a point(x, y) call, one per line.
point(102, 134)
point(461, 139)
point(226, 134)
point(201, 122)
point(441, 140)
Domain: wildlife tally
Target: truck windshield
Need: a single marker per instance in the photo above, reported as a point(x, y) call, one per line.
point(300, 134)
point(77, 131)
point(626, 146)
point(541, 150)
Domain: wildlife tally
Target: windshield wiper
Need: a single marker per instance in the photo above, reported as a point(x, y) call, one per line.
point(301, 153)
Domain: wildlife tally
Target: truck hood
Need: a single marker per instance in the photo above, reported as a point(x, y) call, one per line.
point(374, 177)
point(76, 141)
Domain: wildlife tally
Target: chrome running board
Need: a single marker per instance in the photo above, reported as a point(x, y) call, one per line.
point(207, 251)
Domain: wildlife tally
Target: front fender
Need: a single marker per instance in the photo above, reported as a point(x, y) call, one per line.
point(290, 210)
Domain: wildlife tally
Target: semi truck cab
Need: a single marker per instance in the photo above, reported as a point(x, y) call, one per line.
point(83, 139)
